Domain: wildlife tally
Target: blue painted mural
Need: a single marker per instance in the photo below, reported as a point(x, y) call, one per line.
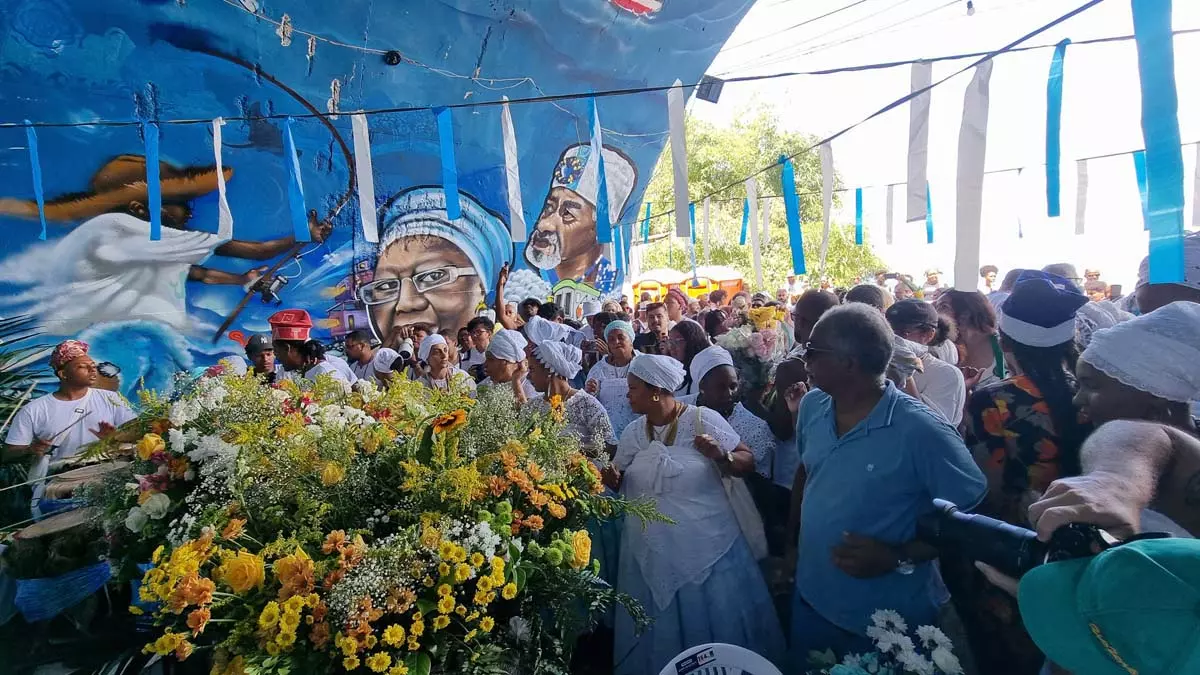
point(152, 307)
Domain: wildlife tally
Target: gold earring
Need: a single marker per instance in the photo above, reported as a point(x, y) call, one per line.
point(654, 398)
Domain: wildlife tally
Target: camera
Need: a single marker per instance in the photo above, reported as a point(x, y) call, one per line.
point(405, 349)
point(1010, 549)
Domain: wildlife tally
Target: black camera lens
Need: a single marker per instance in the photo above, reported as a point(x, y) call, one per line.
point(1012, 550)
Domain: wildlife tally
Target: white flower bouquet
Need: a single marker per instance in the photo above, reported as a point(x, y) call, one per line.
point(897, 653)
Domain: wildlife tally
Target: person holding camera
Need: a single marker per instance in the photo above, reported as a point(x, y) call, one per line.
point(860, 435)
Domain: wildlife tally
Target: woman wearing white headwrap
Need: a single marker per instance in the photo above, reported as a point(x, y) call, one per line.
point(1147, 368)
point(504, 358)
point(607, 379)
point(696, 578)
point(436, 371)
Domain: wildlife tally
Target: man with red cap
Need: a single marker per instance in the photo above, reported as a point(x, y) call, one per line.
point(297, 352)
point(55, 426)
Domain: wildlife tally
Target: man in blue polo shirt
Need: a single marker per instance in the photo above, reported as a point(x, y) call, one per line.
point(873, 459)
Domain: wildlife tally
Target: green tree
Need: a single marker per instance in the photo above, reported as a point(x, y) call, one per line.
point(719, 157)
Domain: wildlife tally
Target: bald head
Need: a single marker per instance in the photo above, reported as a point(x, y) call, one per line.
point(809, 309)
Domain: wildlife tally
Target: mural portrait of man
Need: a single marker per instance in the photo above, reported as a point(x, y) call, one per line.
point(432, 272)
point(563, 244)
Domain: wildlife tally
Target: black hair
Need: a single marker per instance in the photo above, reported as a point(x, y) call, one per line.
point(573, 323)
point(480, 321)
point(988, 269)
point(313, 350)
point(718, 296)
point(1052, 370)
point(359, 336)
point(912, 313)
point(713, 320)
point(968, 308)
point(549, 311)
point(1010, 279)
point(602, 319)
point(867, 294)
point(695, 340)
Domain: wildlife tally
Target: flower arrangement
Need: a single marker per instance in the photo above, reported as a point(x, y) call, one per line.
point(897, 653)
point(756, 346)
point(308, 528)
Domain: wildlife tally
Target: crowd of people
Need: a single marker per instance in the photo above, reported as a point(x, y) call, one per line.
point(794, 510)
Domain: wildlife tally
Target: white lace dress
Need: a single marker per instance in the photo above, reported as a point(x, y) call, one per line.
point(612, 391)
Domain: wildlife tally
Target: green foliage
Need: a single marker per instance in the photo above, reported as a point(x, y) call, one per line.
point(718, 157)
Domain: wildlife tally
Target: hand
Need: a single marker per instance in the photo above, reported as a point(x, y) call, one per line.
point(318, 230)
point(253, 275)
point(104, 430)
point(864, 558)
point(601, 347)
point(998, 579)
point(708, 447)
point(611, 477)
point(793, 395)
point(503, 278)
point(971, 376)
point(592, 387)
point(1099, 499)
point(39, 447)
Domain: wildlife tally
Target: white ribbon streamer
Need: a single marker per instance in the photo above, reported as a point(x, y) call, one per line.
point(766, 221)
point(1081, 188)
point(891, 211)
point(918, 141)
point(755, 259)
point(707, 240)
point(365, 174)
point(676, 104)
point(224, 215)
point(512, 176)
point(826, 152)
point(972, 155)
point(1196, 192)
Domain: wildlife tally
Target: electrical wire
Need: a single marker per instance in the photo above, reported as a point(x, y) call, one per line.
point(806, 22)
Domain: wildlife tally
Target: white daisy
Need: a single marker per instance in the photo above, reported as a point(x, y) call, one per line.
point(889, 620)
point(946, 661)
point(932, 637)
point(915, 663)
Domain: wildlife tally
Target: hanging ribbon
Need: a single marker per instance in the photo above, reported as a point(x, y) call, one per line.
point(972, 154)
point(445, 125)
point(765, 218)
point(707, 240)
point(1017, 201)
point(826, 152)
point(692, 248)
point(365, 174)
point(517, 228)
point(676, 104)
point(891, 212)
point(791, 209)
point(604, 226)
point(858, 216)
point(745, 221)
point(224, 215)
point(1139, 170)
point(1196, 192)
point(1054, 93)
point(1081, 188)
point(295, 186)
point(755, 253)
point(646, 225)
point(928, 215)
point(918, 141)
point(1160, 128)
point(153, 180)
point(621, 251)
point(35, 166)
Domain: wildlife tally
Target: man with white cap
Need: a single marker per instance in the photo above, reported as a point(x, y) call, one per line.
point(505, 359)
point(564, 242)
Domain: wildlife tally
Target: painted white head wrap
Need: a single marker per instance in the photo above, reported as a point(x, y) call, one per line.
point(562, 359)
point(1158, 353)
point(427, 346)
point(578, 172)
point(539, 330)
point(384, 359)
point(1191, 263)
point(707, 359)
point(508, 345)
point(663, 372)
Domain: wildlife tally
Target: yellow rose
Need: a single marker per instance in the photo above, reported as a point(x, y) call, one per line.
point(582, 544)
point(243, 572)
point(150, 444)
point(332, 474)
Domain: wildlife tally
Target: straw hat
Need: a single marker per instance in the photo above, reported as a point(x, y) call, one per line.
point(118, 182)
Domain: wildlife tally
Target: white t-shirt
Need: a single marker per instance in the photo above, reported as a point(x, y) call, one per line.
point(474, 358)
point(333, 367)
point(942, 388)
point(107, 269)
point(364, 371)
point(47, 417)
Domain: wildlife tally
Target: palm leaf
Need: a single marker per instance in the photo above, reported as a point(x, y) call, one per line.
point(21, 363)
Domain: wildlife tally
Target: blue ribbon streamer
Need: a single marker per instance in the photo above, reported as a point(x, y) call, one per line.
point(1139, 170)
point(791, 205)
point(603, 222)
point(928, 215)
point(35, 165)
point(445, 125)
point(1054, 93)
point(858, 216)
point(745, 221)
point(1160, 128)
point(295, 185)
point(692, 220)
point(646, 225)
point(153, 181)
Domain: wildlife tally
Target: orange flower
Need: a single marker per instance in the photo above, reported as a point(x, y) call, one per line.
point(160, 426)
point(497, 485)
point(235, 529)
point(198, 619)
point(534, 523)
point(444, 424)
point(319, 635)
point(557, 510)
point(994, 419)
point(295, 573)
point(183, 650)
point(336, 540)
point(177, 467)
point(539, 498)
point(535, 472)
point(200, 591)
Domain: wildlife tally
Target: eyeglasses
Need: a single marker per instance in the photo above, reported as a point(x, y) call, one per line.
point(388, 290)
point(808, 347)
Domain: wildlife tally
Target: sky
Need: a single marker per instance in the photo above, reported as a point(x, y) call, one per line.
point(1101, 115)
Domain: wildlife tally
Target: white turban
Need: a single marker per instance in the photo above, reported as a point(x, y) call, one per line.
point(1191, 263)
point(663, 372)
point(1158, 353)
point(427, 346)
point(507, 345)
point(539, 330)
point(383, 359)
point(562, 359)
point(707, 359)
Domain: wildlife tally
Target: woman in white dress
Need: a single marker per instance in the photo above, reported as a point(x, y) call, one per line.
point(503, 359)
point(436, 371)
point(607, 380)
point(696, 578)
